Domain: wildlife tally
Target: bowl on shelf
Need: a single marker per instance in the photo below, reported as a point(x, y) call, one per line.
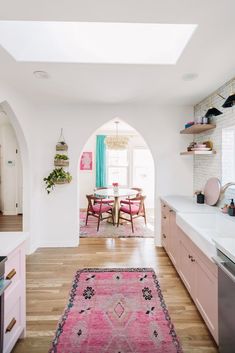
point(200, 145)
point(201, 149)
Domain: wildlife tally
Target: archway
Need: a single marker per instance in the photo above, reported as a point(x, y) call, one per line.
point(132, 167)
point(6, 109)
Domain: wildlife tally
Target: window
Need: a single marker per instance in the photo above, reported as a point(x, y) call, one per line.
point(117, 167)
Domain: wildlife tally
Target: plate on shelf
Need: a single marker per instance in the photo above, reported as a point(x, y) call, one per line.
point(201, 149)
point(212, 191)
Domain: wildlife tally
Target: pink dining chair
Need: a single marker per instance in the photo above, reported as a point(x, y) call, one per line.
point(98, 209)
point(134, 209)
point(104, 200)
point(139, 193)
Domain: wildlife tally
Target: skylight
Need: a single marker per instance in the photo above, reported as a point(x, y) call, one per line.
point(95, 42)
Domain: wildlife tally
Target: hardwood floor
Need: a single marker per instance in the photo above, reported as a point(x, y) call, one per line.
point(11, 223)
point(50, 272)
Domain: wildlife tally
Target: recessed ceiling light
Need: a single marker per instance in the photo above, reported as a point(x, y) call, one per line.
point(95, 42)
point(41, 75)
point(190, 76)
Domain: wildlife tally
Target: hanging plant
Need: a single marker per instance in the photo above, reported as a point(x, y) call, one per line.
point(61, 160)
point(57, 176)
point(61, 156)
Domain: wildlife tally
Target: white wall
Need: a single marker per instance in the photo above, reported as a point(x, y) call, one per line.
point(209, 166)
point(87, 178)
point(53, 219)
point(10, 169)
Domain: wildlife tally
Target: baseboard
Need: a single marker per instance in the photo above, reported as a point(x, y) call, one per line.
point(56, 244)
point(9, 213)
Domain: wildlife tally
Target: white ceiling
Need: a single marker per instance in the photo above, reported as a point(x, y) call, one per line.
point(210, 53)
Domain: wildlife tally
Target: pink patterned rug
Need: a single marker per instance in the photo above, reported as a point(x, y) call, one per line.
point(115, 311)
point(107, 230)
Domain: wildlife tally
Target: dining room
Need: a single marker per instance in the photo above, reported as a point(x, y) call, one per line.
point(116, 184)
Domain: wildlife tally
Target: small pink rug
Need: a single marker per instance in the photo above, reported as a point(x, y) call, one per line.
point(107, 230)
point(115, 311)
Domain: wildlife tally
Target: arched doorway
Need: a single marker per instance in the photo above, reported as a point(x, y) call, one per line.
point(15, 163)
point(132, 167)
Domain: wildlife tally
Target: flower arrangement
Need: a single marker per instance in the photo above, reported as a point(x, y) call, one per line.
point(115, 187)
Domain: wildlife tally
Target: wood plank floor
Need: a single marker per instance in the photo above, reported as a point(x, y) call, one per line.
point(50, 272)
point(11, 223)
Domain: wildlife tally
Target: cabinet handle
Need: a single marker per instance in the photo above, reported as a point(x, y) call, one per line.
point(171, 211)
point(11, 325)
point(11, 274)
point(164, 217)
point(164, 236)
point(164, 206)
point(192, 259)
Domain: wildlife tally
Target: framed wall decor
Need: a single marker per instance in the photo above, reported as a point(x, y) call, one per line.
point(86, 161)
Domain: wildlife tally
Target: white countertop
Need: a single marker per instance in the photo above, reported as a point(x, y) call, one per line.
point(9, 241)
point(187, 204)
point(227, 246)
point(205, 225)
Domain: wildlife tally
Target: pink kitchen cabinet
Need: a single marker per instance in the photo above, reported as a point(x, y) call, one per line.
point(198, 273)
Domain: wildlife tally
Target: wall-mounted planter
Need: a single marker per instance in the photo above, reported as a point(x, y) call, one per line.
point(59, 176)
point(62, 181)
point(61, 163)
point(61, 146)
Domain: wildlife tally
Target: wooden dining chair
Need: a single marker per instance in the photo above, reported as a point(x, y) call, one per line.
point(104, 200)
point(98, 209)
point(139, 193)
point(134, 209)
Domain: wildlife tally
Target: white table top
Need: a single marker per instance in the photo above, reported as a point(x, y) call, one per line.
point(111, 193)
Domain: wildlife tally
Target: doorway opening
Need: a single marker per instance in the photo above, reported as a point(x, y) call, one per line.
point(129, 171)
point(11, 178)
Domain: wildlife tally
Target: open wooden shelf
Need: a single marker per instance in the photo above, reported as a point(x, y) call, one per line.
point(198, 128)
point(197, 153)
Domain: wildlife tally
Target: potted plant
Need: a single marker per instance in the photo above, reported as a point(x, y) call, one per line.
point(57, 176)
point(61, 160)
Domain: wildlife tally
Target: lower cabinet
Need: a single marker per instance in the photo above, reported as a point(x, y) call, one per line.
point(206, 295)
point(186, 266)
point(169, 233)
point(14, 299)
point(173, 240)
point(200, 277)
point(198, 273)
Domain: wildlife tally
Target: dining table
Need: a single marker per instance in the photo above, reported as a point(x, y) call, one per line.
point(116, 194)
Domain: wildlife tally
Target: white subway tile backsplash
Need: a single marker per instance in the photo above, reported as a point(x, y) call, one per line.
point(209, 166)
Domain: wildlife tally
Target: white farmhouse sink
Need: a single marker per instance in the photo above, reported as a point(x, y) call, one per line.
point(203, 228)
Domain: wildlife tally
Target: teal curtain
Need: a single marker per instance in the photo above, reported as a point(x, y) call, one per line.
point(100, 161)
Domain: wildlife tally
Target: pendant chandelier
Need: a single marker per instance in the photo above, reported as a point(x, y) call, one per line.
point(116, 142)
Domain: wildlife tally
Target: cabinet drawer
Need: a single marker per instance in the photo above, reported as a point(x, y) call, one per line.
point(165, 210)
point(12, 325)
point(164, 240)
point(13, 270)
